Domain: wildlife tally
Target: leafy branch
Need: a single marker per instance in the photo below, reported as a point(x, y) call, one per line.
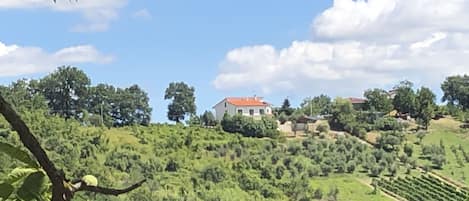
point(62, 190)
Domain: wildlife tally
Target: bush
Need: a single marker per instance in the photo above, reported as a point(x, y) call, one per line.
point(214, 174)
point(248, 127)
point(388, 124)
point(323, 128)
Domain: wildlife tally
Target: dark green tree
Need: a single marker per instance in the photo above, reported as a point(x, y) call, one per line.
point(183, 101)
point(66, 91)
point(425, 106)
point(208, 119)
point(100, 104)
point(131, 107)
point(286, 107)
point(378, 99)
point(456, 91)
point(343, 114)
point(404, 101)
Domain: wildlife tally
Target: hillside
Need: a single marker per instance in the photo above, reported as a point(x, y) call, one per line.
point(195, 163)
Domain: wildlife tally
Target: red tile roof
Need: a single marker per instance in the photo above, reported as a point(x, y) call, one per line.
point(357, 100)
point(246, 101)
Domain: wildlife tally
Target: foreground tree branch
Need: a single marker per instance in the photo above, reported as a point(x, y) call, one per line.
point(60, 189)
point(109, 191)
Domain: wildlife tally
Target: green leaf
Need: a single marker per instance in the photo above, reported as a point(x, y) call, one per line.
point(5, 190)
point(33, 187)
point(18, 154)
point(18, 174)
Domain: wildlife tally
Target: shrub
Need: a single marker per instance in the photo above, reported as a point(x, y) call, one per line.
point(388, 124)
point(248, 127)
point(213, 173)
point(323, 128)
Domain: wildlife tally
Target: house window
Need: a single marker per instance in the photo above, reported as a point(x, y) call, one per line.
point(251, 112)
point(225, 104)
point(240, 111)
point(261, 111)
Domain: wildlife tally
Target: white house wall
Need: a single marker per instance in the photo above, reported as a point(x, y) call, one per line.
point(220, 110)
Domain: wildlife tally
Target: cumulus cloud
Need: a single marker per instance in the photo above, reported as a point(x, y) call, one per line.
point(96, 14)
point(357, 45)
point(18, 60)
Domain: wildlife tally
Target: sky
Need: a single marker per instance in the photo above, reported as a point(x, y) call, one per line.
point(272, 49)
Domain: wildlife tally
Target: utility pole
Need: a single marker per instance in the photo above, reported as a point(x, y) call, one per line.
point(310, 106)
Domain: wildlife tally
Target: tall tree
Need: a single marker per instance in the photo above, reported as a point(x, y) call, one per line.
point(342, 114)
point(317, 105)
point(101, 100)
point(130, 106)
point(66, 91)
point(425, 106)
point(183, 101)
point(286, 108)
point(456, 91)
point(404, 101)
point(378, 99)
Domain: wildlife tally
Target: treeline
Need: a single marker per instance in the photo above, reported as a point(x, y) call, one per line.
point(68, 93)
point(418, 104)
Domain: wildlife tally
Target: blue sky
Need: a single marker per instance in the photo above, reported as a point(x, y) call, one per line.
point(274, 49)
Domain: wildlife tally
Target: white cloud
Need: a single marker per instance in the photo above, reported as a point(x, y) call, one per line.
point(357, 45)
point(97, 15)
point(17, 60)
point(143, 14)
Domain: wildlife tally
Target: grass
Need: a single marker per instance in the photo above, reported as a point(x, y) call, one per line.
point(448, 131)
point(351, 188)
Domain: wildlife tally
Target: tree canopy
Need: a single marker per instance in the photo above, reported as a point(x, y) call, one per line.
point(456, 91)
point(378, 99)
point(404, 101)
point(183, 101)
point(66, 90)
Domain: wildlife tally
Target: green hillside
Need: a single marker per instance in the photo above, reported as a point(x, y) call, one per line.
point(195, 163)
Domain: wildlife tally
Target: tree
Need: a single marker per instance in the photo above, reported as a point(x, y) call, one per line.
point(378, 100)
point(100, 103)
point(183, 101)
point(286, 108)
point(425, 106)
point(208, 119)
point(131, 107)
point(343, 114)
point(318, 105)
point(66, 91)
point(404, 101)
point(456, 91)
point(24, 96)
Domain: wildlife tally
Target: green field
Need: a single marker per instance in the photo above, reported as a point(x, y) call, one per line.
point(351, 188)
point(448, 131)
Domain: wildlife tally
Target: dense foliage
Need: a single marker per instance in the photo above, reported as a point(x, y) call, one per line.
point(182, 101)
point(67, 92)
point(191, 163)
point(249, 127)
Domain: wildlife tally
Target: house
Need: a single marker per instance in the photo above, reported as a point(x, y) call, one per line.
point(247, 106)
point(358, 103)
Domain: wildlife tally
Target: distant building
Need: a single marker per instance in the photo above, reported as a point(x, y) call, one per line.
point(358, 103)
point(247, 106)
